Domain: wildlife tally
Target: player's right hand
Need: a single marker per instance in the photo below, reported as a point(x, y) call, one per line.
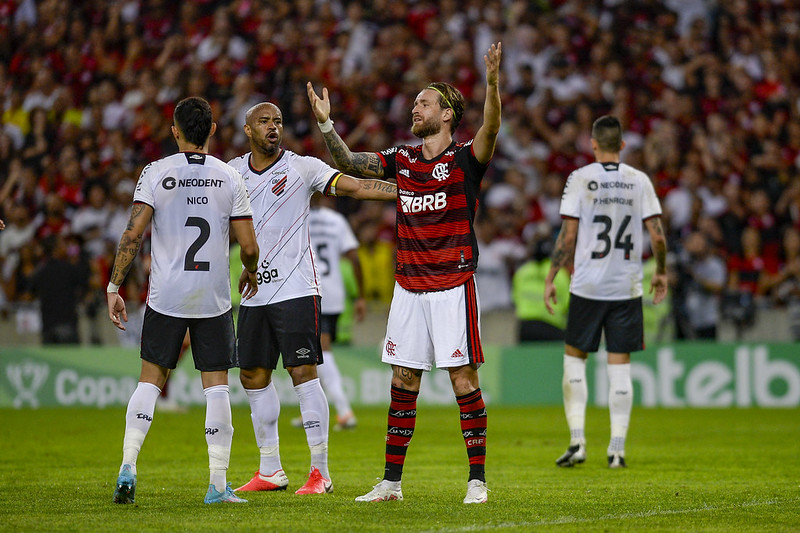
point(550, 294)
point(116, 309)
point(320, 106)
point(248, 284)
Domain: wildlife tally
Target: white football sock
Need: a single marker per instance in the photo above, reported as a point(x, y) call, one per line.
point(331, 380)
point(265, 408)
point(620, 402)
point(573, 384)
point(314, 409)
point(219, 433)
point(138, 419)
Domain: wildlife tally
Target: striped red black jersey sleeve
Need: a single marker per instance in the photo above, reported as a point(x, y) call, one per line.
point(436, 204)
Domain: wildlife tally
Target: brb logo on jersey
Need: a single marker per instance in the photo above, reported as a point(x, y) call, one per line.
point(426, 202)
point(169, 183)
point(440, 172)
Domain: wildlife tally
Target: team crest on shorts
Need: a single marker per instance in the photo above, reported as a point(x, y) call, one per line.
point(390, 347)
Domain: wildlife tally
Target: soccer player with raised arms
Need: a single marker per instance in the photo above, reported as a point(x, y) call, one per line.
point(434, 316)
point(283, 319)
point(601, 241)
point(194, 200)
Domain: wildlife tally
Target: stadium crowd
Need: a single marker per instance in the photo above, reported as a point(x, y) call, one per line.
point(708, 93)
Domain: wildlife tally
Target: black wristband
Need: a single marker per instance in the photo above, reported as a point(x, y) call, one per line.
point(252, 271)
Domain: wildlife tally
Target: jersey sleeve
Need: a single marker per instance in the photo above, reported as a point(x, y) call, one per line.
point(143, 193)
point(570, 199)
point(476, 169)
point(388, 160)
point(651, 207)
point(316, 173)
point(241, 198)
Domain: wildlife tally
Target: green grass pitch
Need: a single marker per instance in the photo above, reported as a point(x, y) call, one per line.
point(689, 470)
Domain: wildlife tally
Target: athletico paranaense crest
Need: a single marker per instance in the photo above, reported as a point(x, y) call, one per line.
point(279, 186)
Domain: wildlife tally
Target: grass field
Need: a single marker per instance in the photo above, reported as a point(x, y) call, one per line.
point(691, 470)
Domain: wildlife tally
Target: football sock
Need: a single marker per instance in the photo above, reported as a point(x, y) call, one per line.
point(473, 429)
point(331, 380)
point(265, 407)
point(400, 429)
point(137, 421)
point(219, 433)
point(620, 402)
point(573, 384)
point(315, 413)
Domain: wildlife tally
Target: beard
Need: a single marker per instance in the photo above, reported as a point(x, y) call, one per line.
point(268, 147)
point(426, 128)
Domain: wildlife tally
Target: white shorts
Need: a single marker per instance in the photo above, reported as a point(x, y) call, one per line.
point(427, 327)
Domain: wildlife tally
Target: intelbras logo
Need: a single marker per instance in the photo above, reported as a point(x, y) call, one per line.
point(170, 182)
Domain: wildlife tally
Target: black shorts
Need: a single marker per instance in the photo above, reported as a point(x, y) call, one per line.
point(213, 340)
point(328, 325)
point(289, 329)
point(621, 320)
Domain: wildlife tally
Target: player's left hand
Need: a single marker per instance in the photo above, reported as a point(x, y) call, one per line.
point(116, 309)
point(360, 308)
point(658, 285)
point(248, 284)
point(492, 60)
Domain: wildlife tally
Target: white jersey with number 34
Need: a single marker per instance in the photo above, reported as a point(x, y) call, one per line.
point(194, 196)
point(611, 201)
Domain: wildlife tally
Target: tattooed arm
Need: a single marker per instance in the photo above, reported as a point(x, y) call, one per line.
point(126, 253)
point(563, 256)
point(361, 163)
point(658, 242)
point(364, 189)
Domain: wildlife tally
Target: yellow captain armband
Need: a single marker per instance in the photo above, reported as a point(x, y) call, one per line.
point(332, 189)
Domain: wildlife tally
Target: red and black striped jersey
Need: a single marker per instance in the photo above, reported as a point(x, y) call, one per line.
point(436, 203)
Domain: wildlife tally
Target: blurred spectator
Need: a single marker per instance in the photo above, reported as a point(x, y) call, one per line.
point(785, 285)
point(499, 256)
point(59, 283)
point(534, 322)
point(700, 278)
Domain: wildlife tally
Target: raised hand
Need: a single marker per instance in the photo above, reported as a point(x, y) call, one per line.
point(492, 60)
point(320, 106)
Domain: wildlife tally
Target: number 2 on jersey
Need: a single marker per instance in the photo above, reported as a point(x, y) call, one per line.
point(622, 241)
point(205, 231)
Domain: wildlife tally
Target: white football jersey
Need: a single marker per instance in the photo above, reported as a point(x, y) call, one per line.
point(194, 197)
point(280, 198)
point(611, 201)
point(331, 238)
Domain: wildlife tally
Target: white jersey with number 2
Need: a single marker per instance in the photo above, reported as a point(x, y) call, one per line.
point(611, 201)
point(280, 197)
point(331, 238)
point(194, 197)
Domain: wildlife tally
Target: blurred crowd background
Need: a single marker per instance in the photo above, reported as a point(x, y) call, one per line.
point(707, 91)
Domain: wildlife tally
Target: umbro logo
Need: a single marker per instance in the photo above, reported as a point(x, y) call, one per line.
point(303, 352)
